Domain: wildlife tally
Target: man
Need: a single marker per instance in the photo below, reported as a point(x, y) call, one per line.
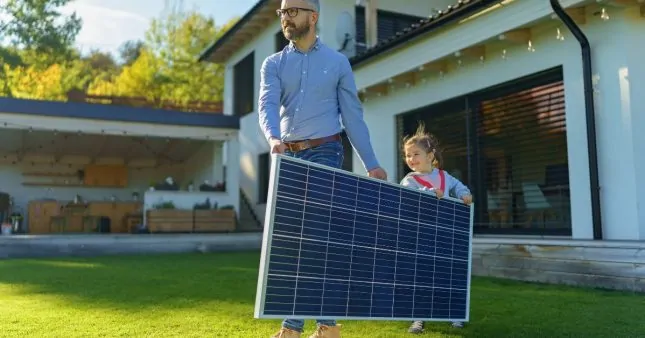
point(305, 90)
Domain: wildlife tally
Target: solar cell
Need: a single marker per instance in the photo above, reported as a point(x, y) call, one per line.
point(339, 245)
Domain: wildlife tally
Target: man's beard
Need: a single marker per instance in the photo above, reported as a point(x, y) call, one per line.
point(294, 32)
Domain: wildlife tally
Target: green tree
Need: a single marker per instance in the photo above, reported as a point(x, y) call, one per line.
point(38, 25)
point(166, 67)
point(129, 51)
point(34, 36)
point(33, 82)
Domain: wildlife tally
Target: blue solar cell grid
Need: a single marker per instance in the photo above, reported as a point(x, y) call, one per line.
point(339, 245)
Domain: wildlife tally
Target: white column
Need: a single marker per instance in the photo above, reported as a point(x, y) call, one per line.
point(228, 89)
point(371, 25)
point(218, 164)
point(578, 156)
point(634, 77)
point(233, 172)
point(618, 53)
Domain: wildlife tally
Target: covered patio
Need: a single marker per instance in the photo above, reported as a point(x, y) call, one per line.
point(83, 168)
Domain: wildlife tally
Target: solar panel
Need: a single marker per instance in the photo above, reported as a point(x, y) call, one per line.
point(338, 245)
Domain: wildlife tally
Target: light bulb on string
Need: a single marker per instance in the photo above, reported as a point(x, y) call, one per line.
point(530, 47)
point(559, 35)
point(603, 14)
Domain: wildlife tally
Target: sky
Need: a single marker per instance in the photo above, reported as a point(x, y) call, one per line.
point(109, 23)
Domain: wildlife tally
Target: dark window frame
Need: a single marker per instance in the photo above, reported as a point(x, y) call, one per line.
point(280, 41)
point(264, 174)
point(476, 161)
point(244, 85)
point(388, 24)
point(348, 163)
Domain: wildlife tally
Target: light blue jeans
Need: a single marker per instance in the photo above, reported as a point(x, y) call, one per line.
point(330, 154)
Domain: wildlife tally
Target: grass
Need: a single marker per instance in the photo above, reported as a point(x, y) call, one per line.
point(213, 295)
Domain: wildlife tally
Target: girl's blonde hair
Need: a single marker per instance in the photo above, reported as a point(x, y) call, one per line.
point(427, 142)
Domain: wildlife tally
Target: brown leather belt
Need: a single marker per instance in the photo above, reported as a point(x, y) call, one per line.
point(306, 144)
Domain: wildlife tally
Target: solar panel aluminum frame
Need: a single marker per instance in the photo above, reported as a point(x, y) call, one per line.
point(263, 272)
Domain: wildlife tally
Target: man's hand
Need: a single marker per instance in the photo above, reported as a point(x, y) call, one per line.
point(276, 145)
point(468, 199)
point(378, 173)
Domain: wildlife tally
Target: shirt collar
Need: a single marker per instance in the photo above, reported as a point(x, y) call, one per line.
point(315, 46)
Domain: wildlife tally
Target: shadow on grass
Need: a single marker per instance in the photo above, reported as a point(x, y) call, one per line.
point(138, 281)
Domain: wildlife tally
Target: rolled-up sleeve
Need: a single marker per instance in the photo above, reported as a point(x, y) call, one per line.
point(351, 111)
point(269, 100)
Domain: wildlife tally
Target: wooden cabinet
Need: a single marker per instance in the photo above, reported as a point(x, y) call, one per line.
point(106, 175)
point(39, 215)
point(116, 212)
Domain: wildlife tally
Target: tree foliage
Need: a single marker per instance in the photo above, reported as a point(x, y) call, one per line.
point(41, 64)
point(130, 51)
point(38, 25)
point(166, 66)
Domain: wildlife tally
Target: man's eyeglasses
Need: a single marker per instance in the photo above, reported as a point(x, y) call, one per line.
point(291, 12)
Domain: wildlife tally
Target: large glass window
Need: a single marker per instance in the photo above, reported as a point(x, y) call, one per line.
point(447, 122)
point(508, 144)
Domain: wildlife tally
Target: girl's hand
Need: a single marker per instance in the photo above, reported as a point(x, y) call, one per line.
point(439, 193)
point(467, 199)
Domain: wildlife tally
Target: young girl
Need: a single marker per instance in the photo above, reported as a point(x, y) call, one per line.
point(423, 157)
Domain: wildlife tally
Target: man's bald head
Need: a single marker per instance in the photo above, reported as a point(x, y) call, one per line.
point(315, 4)
point(311, 4)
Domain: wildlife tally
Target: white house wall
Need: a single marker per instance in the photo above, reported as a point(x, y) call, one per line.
point(618, 54)
point(251, 140)
point(449, 40)
point(200, 168)
point(331, 9)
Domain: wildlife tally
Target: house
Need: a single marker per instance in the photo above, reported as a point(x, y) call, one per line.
point(76, 166)
point(532, 101)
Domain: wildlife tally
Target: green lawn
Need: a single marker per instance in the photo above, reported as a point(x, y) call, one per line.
point(213, 295)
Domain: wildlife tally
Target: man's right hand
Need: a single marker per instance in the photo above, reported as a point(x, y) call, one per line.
point(276, 145)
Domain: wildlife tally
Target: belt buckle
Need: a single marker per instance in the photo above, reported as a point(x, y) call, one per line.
point(305, 145)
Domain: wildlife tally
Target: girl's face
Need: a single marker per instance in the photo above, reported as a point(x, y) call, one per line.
point(417, 159)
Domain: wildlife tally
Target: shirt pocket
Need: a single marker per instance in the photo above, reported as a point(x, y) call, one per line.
point(324, 83)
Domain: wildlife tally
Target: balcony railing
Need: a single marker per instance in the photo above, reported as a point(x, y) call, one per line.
point(143, 102)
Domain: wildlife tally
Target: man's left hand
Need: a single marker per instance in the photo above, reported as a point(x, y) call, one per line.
point(378, 173)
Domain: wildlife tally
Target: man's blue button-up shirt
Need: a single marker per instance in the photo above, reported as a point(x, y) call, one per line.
point(303, 94)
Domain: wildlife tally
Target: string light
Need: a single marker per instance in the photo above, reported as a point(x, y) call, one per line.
point(482, 58)
point(115, 132)
point(530, 47)
point(140, 139)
